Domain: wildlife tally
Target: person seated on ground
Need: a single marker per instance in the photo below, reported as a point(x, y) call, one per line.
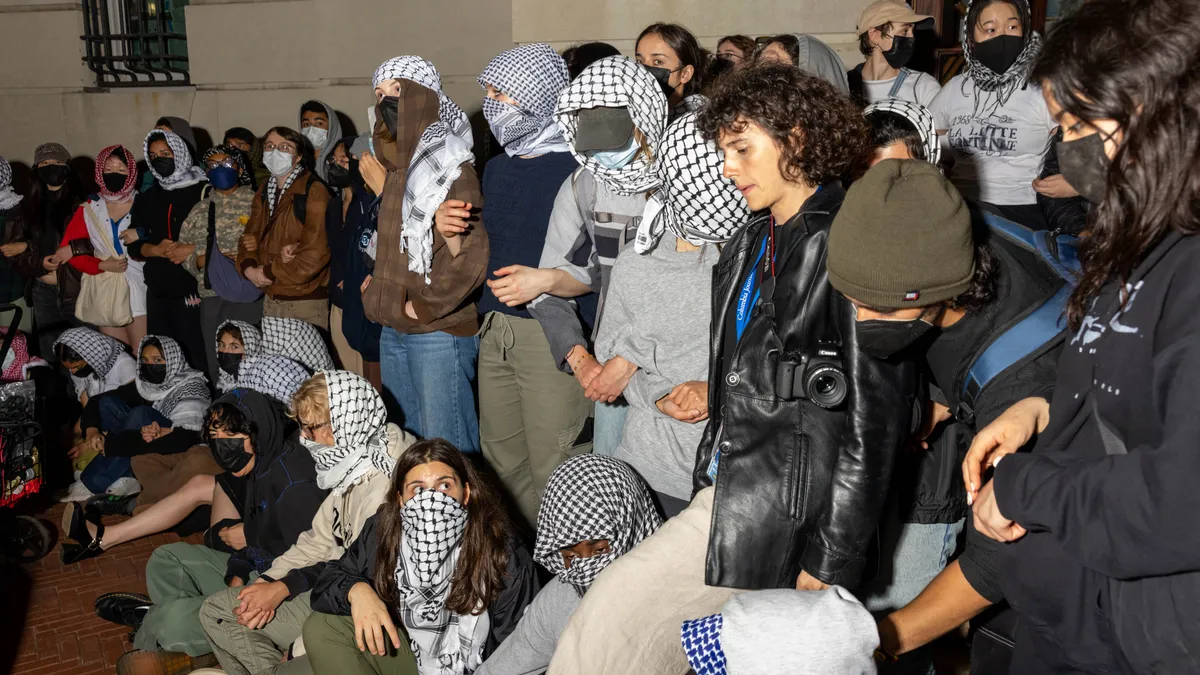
point(259, 447)
point(595, 509)
point(97, 364)
point(902, 130)
point(176, 485)
point(441, 555)
point(158, 413)
point(344, 426)
point(291, 338)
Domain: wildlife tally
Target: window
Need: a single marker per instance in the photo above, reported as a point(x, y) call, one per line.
point(136, 43)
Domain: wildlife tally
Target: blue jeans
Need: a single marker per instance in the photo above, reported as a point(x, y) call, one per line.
point(432, 378)
point(116, 415)
point(607, 427)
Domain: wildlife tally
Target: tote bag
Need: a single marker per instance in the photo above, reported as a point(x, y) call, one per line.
point(104, 297)
point(220, 274)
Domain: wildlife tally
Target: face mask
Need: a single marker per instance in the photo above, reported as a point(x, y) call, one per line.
point(316, 136)
point(223, 177)
point(163, 166)
point(884, 339)
point(432, 524)
point(85, 371)
point(999, 53)
point(278, 162)
point(154, 373)
point(115, 182)
point(54, 175)
point(314, 448)
point(1084, 165)
point(901, 52)
point(664, 78)
point(230, 453)
point(583, 571)
point(505, 122)
point(338, 176)
point(619, 158)
point(389, 112)
point(229, 362)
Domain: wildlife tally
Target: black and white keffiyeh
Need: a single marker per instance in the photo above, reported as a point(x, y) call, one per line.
point(443, 642)
point(436, 163)
point(616, 82)
point(297, 340)
point(182, 392)
point(989, 83)
point(234, 154)
point(186, 173)
point(533, 75)
point(592, 497)
point(359, 423)
point(99, 350)
point(276, 376)
point(275, 189)
point(8, 196)
point(251, 345)
point(694, 201)
point(919, 116)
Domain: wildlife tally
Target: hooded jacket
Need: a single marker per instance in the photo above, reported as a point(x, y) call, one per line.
point(306, 277)
point(335, 134)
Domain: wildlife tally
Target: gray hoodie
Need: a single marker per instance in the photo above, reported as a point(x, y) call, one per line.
point(818, 58)
point(335, 135)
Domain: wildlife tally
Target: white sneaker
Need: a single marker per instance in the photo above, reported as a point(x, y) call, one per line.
point(76, 493)
point(123, 487)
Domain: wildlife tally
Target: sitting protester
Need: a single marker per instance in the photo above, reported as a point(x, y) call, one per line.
point(595, 509)
point(902, 130)
point(97, 364)
point(293, 339)
point(441, 555)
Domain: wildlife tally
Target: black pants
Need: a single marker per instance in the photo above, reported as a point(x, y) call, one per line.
point(49, 319)
point(178, 319)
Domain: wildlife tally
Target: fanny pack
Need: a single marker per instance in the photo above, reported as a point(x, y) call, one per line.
point(220, 274)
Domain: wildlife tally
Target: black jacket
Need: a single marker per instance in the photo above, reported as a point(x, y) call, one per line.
point(331, 592)
point(1108, 577)
point(158, 214)
point(798, 486)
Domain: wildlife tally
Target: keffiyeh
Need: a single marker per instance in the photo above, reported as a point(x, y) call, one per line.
point(183, 383)
point(99, 350)
point(236, 155)
point(186, 173)
point(275, 189)
point(616, 82)
point(591, 497)
point(131, 179)
point(987, 81)
point(275, 376)
point(297, 340)
point(8, 196)
point(251, 346)
point(358, 420)
point(17, 360)
point(436, 163)
point(694, 201)
point(533, 75)
point(919, 116)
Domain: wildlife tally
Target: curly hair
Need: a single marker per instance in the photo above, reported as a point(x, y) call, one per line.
point(821, 134)
point(985, 282)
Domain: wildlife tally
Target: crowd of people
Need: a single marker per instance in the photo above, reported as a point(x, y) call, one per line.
point(729, 362)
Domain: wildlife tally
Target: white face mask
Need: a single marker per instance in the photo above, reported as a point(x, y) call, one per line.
point(316, 135)
point(278, 162)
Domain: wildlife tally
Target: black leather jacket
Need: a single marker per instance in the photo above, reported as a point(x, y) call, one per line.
point(799, 487)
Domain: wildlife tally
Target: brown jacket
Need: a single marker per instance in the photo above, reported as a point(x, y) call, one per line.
point(447, 302)
point(307, 276)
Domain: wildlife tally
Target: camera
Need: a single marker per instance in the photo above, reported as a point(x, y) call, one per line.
point(818, 377)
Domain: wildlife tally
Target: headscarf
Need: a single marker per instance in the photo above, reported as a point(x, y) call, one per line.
point(17, 360)
point(99, 350)
point(534, 75)
point(131, 180)
point(616, 82)
point(988, 81)
point(592, 497)
point(182, 383)
point(238, 157)
point(436, 163)
point(275, 376)
point(183, 129)
point(331, 138)
point(251, 345)
point(818, 58)
point(358, 421)
point(270, 437)
point(694, 201)
point(186, 172)
point(297, 340)
point(8, 196)
point(919, 116)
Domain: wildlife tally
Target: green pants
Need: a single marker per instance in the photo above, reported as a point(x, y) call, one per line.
point(330, 647)
point(179, 577)
point(530, 413)
point(250, 652)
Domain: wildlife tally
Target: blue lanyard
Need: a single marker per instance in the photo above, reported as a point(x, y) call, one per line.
point(116, 239)
point(746, 303)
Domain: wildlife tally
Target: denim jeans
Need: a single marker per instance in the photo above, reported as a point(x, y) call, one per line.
point(609, 424)
point(432, 378)
point(116, 415)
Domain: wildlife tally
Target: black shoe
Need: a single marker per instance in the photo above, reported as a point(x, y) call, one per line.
point(126, 609)
point(74, 553)
point(74, 525)
point(110, 505)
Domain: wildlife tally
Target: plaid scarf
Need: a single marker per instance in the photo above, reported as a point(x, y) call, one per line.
point(533, 75)
point(358, 420)
point(185, 173)
point(182, 381)
point(17, 361)
point(131, 180)
point(8, 196)
point(274, 376)
point(436, 163)
point(251, 346)
point(275, 192)
point(97, 349)
point(297, 340)
point(920, 118)
point(989, 83)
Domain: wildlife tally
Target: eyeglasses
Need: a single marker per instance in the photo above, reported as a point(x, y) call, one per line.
point(311, 429)
point(282, 147)
point(227, 163)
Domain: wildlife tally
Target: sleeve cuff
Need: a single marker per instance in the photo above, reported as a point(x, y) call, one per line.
point(296, 583)
point(269, 272)
point(831, 568)
point(1012, 473)
point(247, 263)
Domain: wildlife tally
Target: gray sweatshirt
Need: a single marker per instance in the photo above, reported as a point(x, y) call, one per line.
point(528, 650)
point(657, 315)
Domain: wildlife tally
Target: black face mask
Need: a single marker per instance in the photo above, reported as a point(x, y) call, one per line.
point(389, 111)
point(999, 53)
point(54, 175)
point(85, 371)
point(230, 453)
point(164, 166)
point(115, 182)
point(338, 176)
point(901, 52)
point(884, 339)
point(1085, 166)
point(154, 373)
point(664, 79)
point(229, 362)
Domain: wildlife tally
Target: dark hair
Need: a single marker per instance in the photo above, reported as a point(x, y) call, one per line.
point(119, 154)
point(157, 136)
point(686, 47)
point(1139, 69)
point(864, 39)
point(984, 283)
point(240, 133)
point(977, 7)
point(483, 563)
point(314, 107)
point(164, 122)
point(717, 70)
point(888, 127)
point(584, 55)
point(227, 417)
point(820, 132)
point(302, 145)
point(152, 342)
point(790, 44)
point(65, 201)
point(231, 330)
point(66, 353)
point(744, 43)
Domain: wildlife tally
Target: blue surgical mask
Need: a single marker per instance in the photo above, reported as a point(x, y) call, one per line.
point(223, 177)
point(619, 158)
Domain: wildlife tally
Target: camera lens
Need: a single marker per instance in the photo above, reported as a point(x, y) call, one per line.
point(827, 387)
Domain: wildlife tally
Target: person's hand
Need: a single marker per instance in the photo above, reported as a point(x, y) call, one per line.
point(371, 620)
point(1055, 187)
point(518, 284)
point(63, 254)
point(177, 253)
point(451, 217)
point(50, 263)
point(988, 519)
point(341, 285)
point(668, 407)
point(288, 253)
point(612, 380)
point(409, 311)
point(234, 536)
point(366, 282)
point(807, 582)
point(583, 365)
point(1007, 434)
point(236, 582)
point(15, 248)
point(259, 601)
point(250, 243)
point(935, 414)
point(201, 259)
point(373, 173)
point(94, 440)
point(129, 236)
point(691, 398)
point(113, 265)
point(258, 277)
point(150, 432)
point(77, 450)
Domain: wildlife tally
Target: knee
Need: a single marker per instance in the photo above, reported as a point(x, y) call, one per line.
point(164, 556)
point(200, 488)
point(217, 610)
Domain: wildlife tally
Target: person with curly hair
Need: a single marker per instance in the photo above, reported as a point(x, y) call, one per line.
point(792, 471)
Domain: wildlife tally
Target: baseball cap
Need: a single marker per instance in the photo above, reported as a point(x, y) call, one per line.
point(603, 129)
point(50, 151)
point(888, 11)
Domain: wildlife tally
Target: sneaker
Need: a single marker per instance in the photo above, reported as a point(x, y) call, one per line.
point(78, 492)
point(141, 662)
point(123, 487)
point(126, 609)
point(111, 505)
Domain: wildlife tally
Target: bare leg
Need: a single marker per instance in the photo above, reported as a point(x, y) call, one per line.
point(161, 515)
point(222, 506)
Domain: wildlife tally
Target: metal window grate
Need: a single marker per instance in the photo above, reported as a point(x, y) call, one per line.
point(135, 43)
